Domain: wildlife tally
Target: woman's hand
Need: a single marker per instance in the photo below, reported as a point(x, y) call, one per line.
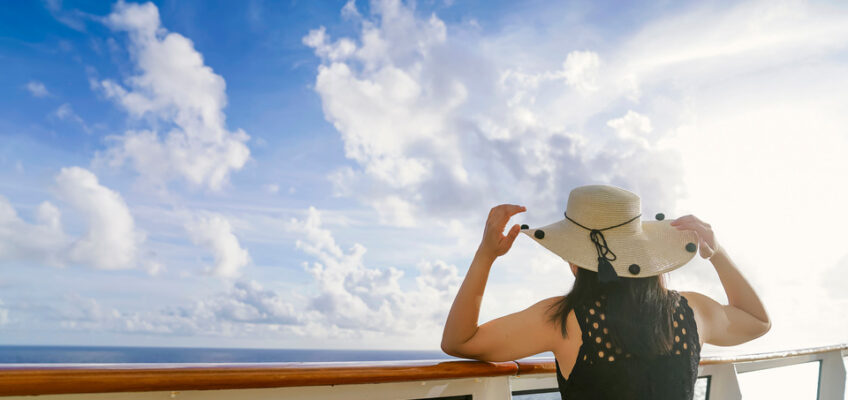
point(706, 237)
point(494, 242)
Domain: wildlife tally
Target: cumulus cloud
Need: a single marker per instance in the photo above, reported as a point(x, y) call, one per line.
point(214, 232)
point(175, 87)
point(353, 296)
point(42, 241)
point(580, 70)
point(37, 89)
point(244, 308)
point(437, 126)
point(110, 240)
point(347, 299)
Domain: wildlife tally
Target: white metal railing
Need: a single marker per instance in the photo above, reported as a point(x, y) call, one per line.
point(831, 377)
point(530, 382)
point(721, 373)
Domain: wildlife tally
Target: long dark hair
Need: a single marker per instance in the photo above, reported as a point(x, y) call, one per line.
point(639, 311)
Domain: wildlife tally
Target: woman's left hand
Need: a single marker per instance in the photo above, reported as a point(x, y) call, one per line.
point(494, 242)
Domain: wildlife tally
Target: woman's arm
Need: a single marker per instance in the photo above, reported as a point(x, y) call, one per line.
point(744, 318)
point(461, 324)
point(739, 292)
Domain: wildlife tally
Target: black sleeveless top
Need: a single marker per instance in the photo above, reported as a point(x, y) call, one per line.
point(603, 371)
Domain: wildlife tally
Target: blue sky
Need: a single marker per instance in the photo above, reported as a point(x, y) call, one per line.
point(317, 174)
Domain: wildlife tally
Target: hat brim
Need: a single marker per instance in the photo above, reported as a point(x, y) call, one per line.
point(657, 249)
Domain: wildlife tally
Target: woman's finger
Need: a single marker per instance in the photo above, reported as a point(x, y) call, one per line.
point(512, 209)
point(704, 231)
point(513, 233)
point(502, 213)
point(706, 250)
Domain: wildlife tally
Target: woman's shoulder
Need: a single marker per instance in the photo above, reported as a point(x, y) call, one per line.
point(700, 305)
point(693, 300)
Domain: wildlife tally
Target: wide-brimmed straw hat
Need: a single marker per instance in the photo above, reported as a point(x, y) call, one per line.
point(603, 232)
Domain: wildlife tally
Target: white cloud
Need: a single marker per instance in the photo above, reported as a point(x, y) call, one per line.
point(110, 240)
point(580, 70)
point(352, 300)
point(632, 126)
point(42, 241)
point(349, 10)
point(215, 233)
point(317, 38)
point(347, 300)
point(358, 298)
point(66, 113)
point(245, 309)
point(37, 89)
point(438, 126)
point(173, 85)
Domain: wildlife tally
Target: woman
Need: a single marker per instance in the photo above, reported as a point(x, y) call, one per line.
point(619, 333)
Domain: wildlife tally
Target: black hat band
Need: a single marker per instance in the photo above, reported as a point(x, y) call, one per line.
point(606, 273)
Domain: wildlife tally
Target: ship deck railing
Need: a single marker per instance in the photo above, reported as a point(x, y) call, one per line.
point(530, 378)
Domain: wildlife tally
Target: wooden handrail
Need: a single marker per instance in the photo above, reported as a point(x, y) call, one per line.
point(39, 379)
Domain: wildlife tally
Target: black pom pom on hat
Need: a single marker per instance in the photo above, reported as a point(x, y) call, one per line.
point(606, 273)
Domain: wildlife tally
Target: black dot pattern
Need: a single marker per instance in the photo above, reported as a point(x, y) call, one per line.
point(660, 216)
point(539, 234)
point(607, 369)
point(599, 348)
point(634, 269)
point(691, 247)
point(685, 335)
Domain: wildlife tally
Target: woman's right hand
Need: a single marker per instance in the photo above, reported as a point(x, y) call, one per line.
point(706, 237)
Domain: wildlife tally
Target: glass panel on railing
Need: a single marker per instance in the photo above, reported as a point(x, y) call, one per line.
point(702, 388)
point(537, 394)
point(797, 382)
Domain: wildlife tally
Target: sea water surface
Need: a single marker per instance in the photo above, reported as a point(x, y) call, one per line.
point(104, 354)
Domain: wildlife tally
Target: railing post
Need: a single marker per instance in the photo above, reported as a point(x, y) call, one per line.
point(832, 376)
point(723, 383)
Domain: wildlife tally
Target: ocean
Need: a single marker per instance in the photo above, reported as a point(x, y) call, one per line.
point(104, 354)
